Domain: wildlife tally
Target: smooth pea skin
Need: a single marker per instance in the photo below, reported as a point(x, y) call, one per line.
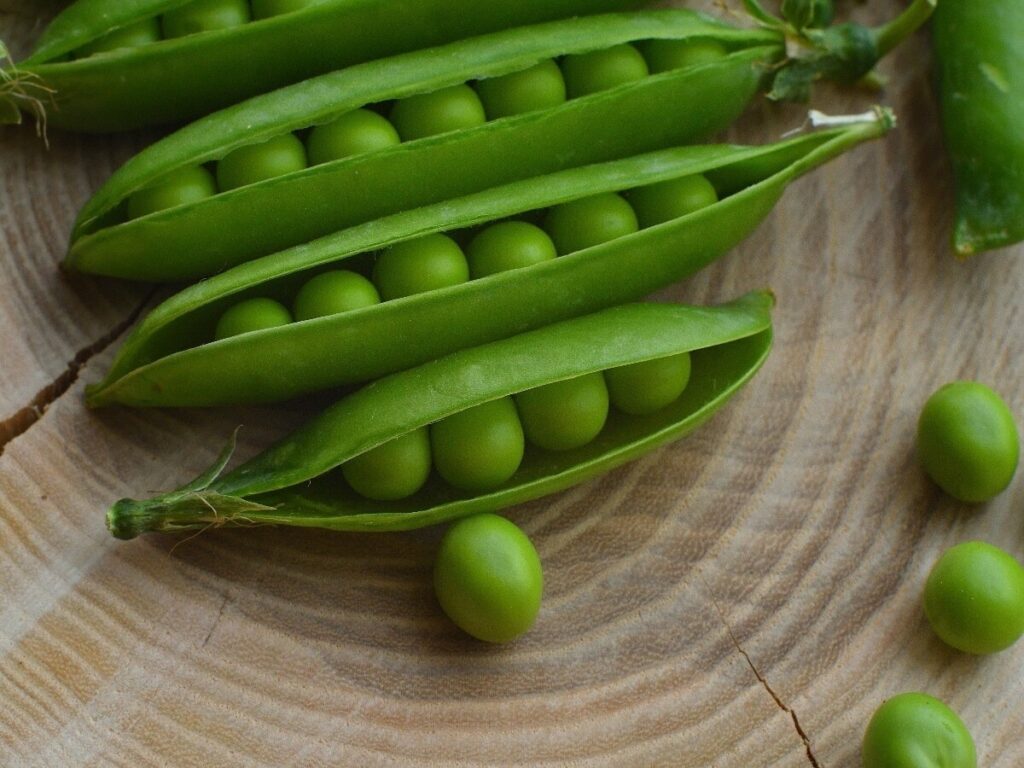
point(354, 133)
point(264, 9)
point(488, 578)
point(134, 35)
point(393, 470)
point(205, 16)
point(480, 448)
point(257, 162)
point(252, 315)
point(967, 441)
point(668, 55)
point(974, 598)
point(539, 87)
point(590, 221)
point(508, 245)
point(181, 187)
point(648, 386)
point(332, 293)
point(416, 266)
point(914, 730)
point(565, 414)
point(429, 114)
point(668, 200)
point(587, 73)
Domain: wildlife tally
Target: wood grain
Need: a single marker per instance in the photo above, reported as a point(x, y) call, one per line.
point(744, 598)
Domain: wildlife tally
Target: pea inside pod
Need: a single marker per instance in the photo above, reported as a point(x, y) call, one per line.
point(298, 481)
point(170, 358)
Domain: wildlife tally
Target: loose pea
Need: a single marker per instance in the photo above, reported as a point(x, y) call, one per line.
point(967, 441)
point(354, 133)
point(264, 9)
point(393, 470)
point(539, 87)
point(649, 386)
point(508, 245)
point(257, 162)
point(914, 730)
point(488, 578)
point(416, 266)
point(565, 414)
point(332, 293)
point(134, 35)
point(600, 70)
point(974, 598)
point(429, 114)
point(666, 55)
point(480, 448)
point(667, 200)
point(186, 185)
point(590, 221)
point(252, 315)
point(205, 16)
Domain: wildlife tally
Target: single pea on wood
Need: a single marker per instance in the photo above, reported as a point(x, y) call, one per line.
point(915, 730)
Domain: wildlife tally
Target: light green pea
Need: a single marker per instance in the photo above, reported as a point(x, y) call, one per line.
point(429, 114)
point(258, 162)
point(480, 448)
point(508, 245)
point(648, 386)
point(133, 36)
point(667, 55)
point(205, 16)
point(587, 73)
point(590, 221)
point(539, 87)
point(914, 730)
point(354, 133)
point(181, 187)
point(417, 266)
point(332, 293)
point(252, 315)
point(668, 200)
point(565, 414)
point(393, 470)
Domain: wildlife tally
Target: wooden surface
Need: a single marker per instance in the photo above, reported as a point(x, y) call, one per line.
point(744, 598)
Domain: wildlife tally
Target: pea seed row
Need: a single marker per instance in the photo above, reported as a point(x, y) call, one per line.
point(457, 107)
point(437, 261)
point(481, 448)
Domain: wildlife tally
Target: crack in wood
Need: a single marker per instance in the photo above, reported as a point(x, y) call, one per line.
point(24, 418)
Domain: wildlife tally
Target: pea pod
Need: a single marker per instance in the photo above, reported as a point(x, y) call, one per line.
point(204, 237)
point(981, 90)
point(179, 79)
point(171, 360)
point(294, 482)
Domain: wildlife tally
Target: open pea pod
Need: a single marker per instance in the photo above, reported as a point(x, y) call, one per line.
point(171, 359)
point(155, 79)
point(297, 482)
point(205, 236)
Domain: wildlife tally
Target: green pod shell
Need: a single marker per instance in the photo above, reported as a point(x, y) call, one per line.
point(169, 361)
point(292, 483)
point(204, 238)
point(980, 66)
point(183, 78)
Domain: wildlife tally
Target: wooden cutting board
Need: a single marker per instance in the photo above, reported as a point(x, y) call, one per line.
point(744, 598)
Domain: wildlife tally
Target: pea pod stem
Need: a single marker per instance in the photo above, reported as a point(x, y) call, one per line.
point(894, 32)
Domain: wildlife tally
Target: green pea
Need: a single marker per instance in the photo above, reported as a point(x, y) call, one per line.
point(566, 414)
point(354, 133)
point(205, 16)
point(539, 87)
point(252, 315)
point(264, 9)
point(508, 245)
point(590, 221)
point(601, 70)
point(488, 578)
point(668, 200)
point(649, 386)
point(914, 730)
point(134, 35)
point(974, 598)
point(428, 114)
point(967, 441)
point(391, 471)
point(417, 266)
point(667, 55)
point(180, 187)
point(332, 293)
point(257, 162)
point(480, 448)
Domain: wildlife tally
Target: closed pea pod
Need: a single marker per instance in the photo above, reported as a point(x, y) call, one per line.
point(169, 360)
point(204, 16)
point(294, 483)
